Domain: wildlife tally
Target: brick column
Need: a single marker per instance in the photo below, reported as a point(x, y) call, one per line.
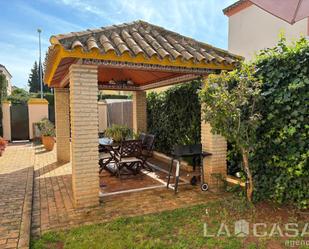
point(62, 115)
point(139, 111)
point(214, 165)
point(84, 134)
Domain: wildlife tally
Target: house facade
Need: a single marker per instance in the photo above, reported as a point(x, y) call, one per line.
point(8, 76)
point(252, 29)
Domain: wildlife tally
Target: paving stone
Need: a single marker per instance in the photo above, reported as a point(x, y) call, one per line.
point(53, 199)
point(16, 171)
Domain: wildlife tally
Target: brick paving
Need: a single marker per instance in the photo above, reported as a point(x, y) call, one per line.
point(33, 183)
point(16, 182)
point(53, 208)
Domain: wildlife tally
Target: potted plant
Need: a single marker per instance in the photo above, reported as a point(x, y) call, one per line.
point(3, 144)
point(118, 132)
point(47, 129)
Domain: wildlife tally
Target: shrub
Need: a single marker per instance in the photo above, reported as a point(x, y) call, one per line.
point(281, 156)
point(113, 96)
point(174, 116)
point(118, 132)
point(46, 127)
point(48, 96)
point(19, 96)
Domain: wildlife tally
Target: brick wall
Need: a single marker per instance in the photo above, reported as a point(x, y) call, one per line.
point(139, 111)
point(62, 115)
point(84, 127)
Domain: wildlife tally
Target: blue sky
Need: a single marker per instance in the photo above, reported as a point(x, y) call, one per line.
point(19, 20)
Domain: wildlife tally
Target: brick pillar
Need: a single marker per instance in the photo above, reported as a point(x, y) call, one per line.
point(139, 111)
point(84, 134)
point(62, 115)
point(214, 165)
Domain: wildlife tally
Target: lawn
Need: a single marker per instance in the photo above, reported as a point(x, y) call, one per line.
point(180, 228)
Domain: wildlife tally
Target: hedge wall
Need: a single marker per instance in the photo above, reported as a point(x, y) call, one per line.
point(174, 116)
point(281, 158)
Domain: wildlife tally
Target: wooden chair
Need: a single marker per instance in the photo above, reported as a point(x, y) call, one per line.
point(147, 150)
point(142, 137)
point(129, 156)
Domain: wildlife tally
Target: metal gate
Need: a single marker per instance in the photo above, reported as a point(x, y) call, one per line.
point(19, 122)
point(51, 113)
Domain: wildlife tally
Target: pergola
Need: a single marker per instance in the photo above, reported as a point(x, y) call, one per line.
point(130, 57)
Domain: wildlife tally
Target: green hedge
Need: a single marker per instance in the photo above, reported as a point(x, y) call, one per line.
point(48, 96)
point(281, 158)
point(174, 116)
point(113, 96)
point(19, 96)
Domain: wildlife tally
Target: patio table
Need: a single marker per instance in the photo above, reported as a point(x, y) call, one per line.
point(114, 150)
point(105, 141)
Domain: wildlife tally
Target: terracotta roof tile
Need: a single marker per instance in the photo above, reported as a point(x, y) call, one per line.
point(143, 38)
point(144, 45)
point(91, 43)
point(106, 44)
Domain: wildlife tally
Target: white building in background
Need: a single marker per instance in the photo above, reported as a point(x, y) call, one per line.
point(252, 29)
point(8, 76)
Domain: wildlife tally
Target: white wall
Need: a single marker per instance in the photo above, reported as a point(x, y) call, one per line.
point(36, 113)
point(253, 29)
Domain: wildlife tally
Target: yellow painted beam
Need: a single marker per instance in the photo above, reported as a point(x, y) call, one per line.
point(37, 101)
point(61, 53)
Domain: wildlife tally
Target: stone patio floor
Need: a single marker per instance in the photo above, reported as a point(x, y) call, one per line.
point(16, 178)
point(51, 197)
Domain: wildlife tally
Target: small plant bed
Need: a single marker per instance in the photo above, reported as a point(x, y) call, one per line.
point(184, 228)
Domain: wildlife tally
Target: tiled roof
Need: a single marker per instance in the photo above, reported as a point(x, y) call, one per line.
point(142, 38)
point(234, 5)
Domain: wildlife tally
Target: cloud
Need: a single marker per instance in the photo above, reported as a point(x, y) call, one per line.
point(199, 19)
point(19, 42)
point(51, 21)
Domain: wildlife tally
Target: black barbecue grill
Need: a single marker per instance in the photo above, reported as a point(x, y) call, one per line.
point(184, 151)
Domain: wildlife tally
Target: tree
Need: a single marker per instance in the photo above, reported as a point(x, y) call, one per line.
point(34, 80)
point(229, 103)
point(3, 87)
point(3, 94)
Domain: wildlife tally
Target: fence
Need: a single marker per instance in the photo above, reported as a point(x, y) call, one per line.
point(115, 111)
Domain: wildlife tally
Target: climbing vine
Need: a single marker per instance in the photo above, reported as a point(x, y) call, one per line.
point(174, 116)
point(281, 154)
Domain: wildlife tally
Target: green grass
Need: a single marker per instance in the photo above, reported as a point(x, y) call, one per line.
point(177, 229)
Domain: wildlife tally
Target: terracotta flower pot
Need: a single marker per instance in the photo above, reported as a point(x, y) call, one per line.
point(48, 142)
